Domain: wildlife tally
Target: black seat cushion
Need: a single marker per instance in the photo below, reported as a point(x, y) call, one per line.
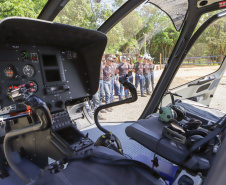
point(88, 171)
point(148, 132)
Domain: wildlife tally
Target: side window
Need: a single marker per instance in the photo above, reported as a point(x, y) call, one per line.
point(205, 57)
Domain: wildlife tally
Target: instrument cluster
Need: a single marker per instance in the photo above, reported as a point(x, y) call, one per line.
point(53, 75)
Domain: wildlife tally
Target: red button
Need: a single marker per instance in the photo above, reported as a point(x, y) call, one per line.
point(31, 84)
point(32, 90)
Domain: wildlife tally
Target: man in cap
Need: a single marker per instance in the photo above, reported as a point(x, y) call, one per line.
point(107, 81)
point(139, 78)
point(123, 69)
point(151, 74)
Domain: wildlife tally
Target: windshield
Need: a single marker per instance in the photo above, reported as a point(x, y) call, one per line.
point(146, 31)
point(21, 8)
point(89, 14)
point(174, 8)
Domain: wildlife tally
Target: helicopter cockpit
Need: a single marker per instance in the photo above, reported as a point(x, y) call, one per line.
point(50, 70)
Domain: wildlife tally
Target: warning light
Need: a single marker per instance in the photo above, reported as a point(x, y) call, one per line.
point(69, 55)
point(34, 57)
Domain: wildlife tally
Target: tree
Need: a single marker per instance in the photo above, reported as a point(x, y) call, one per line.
point(19, 8)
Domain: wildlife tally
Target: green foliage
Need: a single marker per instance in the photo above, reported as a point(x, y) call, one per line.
point(164, 42)
point(19, 8)
point(145, 23)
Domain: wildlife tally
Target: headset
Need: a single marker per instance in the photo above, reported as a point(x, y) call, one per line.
point(167, 114)
point(172, 112)
point(181, 113)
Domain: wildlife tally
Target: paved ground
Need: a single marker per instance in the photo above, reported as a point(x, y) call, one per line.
point(131, 112)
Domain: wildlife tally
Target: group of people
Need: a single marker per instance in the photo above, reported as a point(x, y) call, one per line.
point(110, 72)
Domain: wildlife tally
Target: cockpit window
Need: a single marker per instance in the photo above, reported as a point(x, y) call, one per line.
point(175, 9)
point(148, 32)
point(89, 14)
point(21, 8)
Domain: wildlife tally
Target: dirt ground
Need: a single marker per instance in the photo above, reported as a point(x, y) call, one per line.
point(132, 111)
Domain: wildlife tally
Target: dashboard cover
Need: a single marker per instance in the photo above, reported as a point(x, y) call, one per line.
point(61, 61)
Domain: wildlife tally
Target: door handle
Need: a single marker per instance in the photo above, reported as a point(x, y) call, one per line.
point(200, 82)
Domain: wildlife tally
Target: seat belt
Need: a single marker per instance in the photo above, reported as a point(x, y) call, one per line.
point(221, 125)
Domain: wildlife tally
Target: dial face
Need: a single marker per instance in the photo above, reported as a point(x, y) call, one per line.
point(9, 72)
point(29, 71)
point(24, 55)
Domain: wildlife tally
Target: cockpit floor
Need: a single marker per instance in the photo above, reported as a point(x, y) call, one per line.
point(130, 147)
point(13, 179)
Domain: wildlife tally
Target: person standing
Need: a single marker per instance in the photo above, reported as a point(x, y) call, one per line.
point(152, 67)
point(96, 104)
point(123, 69)
point(139, 78)
point(113, 71)
point(116, 85)
point(130, 73)
point(146, 76)
point(107, 81)
point(101, 85)
point(98, 97)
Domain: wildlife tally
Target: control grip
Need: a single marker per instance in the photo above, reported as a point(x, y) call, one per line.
point(40, 108)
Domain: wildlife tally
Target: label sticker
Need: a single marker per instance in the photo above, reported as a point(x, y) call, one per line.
point(222, 4)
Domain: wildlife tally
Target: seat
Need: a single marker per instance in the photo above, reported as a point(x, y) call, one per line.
point(104, 167)
point(148, 132)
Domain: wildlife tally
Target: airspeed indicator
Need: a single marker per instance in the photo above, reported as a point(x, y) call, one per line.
point(29, 71)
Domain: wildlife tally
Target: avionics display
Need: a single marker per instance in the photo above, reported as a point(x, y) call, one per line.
point(52, 75)
point(49, 60)
point(51, 68)
point(69, 134)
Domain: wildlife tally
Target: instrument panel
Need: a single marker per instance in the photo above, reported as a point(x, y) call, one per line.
point(54, 75)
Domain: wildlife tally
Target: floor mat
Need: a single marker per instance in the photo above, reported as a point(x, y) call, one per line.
point(130, 147)
point(13, 179)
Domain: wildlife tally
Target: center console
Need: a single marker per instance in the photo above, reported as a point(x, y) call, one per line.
point(67, 134)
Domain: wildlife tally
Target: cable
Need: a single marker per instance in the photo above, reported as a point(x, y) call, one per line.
point(127, 156)
point(155, 159)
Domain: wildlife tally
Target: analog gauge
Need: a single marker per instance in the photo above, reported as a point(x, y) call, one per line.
point(9, 72)
point(24, 55)
point(29, 71)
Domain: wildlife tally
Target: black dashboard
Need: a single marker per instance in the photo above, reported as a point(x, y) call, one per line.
point(60, 62)
point(57, 64)
point(53, 73)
